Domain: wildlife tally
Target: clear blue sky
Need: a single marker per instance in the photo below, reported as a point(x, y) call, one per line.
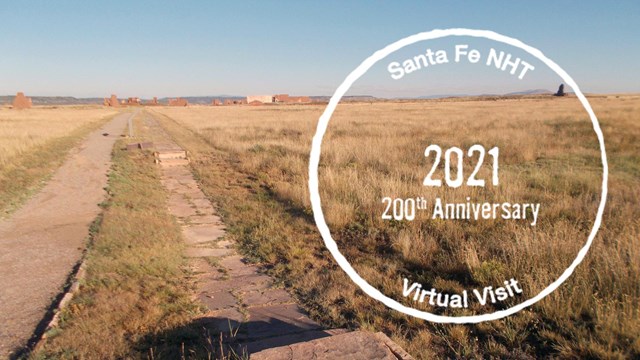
point(137, 48)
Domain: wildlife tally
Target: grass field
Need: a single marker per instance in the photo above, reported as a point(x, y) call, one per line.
point(253, 162)
point(34, 142)
point(23, 130)
point(136, 299)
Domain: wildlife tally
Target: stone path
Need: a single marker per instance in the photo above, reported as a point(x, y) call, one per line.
point(353, 345)
point(253, 315)
point(43, 241)
point(243, 303)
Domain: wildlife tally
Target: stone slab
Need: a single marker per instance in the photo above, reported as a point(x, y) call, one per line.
point(268, 321)
point(253, 282)
point(219, 300)
point(266, 297)
point(273, 342)
point(202, 266)
point(181, 210)
point(174, 162)
point(224, 244)
point(202, 233)
point(237, 266)
point(357, 345)
point(171, 154)
point(204, 203)
point(206, 219)
point(205, 252)
point(222, 320)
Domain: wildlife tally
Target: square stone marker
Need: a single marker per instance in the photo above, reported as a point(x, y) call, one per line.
point(269, 321)
point(134, 146)
point(146, 145)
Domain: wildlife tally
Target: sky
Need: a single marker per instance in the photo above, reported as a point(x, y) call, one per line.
point(200, 48)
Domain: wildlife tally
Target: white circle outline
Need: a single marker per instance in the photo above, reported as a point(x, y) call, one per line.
point(314, 161)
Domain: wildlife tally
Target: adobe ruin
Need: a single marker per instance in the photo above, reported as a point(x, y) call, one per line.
point(279, 98)
point(265, 99)
point(234, 102)
point(178, 102)
point(133, 101)
point(21, 101)
point(112, 101)
point(152, 102)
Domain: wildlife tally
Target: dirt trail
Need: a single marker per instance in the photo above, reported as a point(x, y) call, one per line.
point(41, 242)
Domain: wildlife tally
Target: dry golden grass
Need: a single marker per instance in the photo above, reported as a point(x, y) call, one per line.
point(34, 142)
point(22, 130)
point(548, 154)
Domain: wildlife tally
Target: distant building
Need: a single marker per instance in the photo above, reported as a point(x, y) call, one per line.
point(112, 101)
point(133, 101)
point(178, 102)
point(216, 102)
point(21, 101)
point(234, 102)
point(265, 99)
point(279, 98)
point(153, 102)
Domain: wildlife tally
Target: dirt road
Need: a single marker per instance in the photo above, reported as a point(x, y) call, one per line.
point(41, 242)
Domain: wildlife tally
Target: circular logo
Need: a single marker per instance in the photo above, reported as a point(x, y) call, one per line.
point(315, 160)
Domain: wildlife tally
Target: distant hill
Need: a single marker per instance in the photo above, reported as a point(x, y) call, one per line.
point(53, 100)
point(524, 92)
point(439, 96)
point(70, 100)
point(531, 92)
point(202, 100)
point(207, 100)
point(344, 98)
